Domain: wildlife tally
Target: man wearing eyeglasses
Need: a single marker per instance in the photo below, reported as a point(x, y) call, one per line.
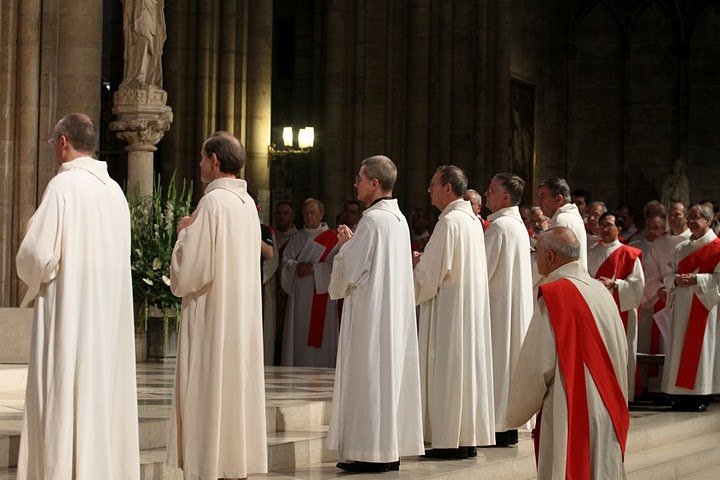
point(375, 417)
point(75, 260)
point(619, 268)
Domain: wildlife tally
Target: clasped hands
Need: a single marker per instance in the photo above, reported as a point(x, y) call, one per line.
point(343, 234)
point(686, 279)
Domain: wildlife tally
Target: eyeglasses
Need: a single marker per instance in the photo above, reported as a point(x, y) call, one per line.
point(359, 179)
point(51, 141)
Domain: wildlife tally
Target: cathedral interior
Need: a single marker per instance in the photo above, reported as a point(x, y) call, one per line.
point(607, 94)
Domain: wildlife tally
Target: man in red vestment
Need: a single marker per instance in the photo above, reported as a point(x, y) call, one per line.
point(572, 369)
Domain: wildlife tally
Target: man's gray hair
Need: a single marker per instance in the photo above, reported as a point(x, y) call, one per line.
point(80, 132)
point(706, 211)
point(382, 168)
point(598, 203)
point(678, 202)
point(562, 241)
point(313, 200)
point(473, 196)
point(557, 186)
point(455, 177)
point(513, 185)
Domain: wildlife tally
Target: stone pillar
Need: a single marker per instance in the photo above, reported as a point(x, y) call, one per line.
point(259, 84)
point(140, 103)
point(144, 118)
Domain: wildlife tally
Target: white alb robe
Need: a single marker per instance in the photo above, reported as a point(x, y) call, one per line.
point(630, 292)
point(269, 295)
point(568, 216)
point(455, 352)
point(376, 408)
point(217, 425)
point(507, 250)
point(537, 383)
point(81, 417)
point(655, 266)
point(301, 290)
point(707, 289)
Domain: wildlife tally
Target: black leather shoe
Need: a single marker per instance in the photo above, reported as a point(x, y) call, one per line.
point(369, 467)
point(472, 452)
point(447, 453)
point(507, 438)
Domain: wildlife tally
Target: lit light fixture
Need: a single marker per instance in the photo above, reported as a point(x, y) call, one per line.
point(306, 137)
point(288, 136)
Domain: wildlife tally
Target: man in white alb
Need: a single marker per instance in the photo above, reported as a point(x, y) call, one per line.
point(507, 248)
point(554, 199)
point(376, 408)
point(619, 268)
point(310, 334)
point(455, 351)
point(692, 365)
point(217, 425)
point(81, 416)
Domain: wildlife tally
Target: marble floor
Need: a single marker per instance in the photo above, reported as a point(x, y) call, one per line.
point(284, 386)
point(298, 402)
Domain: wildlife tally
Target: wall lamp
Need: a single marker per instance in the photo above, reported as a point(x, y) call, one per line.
point(305, 142)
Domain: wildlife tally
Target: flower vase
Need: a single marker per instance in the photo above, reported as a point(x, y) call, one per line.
point(162, 335)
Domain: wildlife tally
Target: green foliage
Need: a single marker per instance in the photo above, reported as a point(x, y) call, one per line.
point(153, 221)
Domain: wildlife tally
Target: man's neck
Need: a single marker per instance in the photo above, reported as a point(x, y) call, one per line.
point(377, 196)
point(678, 232)
point(283, 229)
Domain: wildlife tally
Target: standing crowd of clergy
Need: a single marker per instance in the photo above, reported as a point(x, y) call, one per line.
point(435, 352)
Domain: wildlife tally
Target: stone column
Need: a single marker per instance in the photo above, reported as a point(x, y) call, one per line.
point(259, 84)
point(144, 118)
point(140, 102)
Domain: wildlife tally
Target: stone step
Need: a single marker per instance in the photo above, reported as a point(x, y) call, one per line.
point(675, 460)
point(709, 474)
point(283, 416)
point(286, 450)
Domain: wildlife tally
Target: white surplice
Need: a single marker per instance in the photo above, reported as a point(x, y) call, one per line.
point(217, 425)
point(509, 269)
point(680, 300)
point(455, 352)
point(269, 296)
point(537, 383)
point(655, 266)
point(568, 216)
point(300, 290)
point(376, 408)
point(630, 292)
point(81, 418)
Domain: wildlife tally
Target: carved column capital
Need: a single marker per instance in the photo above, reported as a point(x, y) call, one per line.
point(143, 117)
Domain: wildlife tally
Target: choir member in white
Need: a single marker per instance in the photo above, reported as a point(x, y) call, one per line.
point(692, 363)
point(554, 199)
point(619, 268)
point(656, 265)
point(310, 336)
point(376, 408)
point(507, 248)
point(455, 351)
point(217, 425)
point(284, 223)
point(81, 417)
point(575, 336)
point(270, 254)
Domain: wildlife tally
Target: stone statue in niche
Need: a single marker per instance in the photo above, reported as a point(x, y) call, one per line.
point(675, 186)
point(144, 34)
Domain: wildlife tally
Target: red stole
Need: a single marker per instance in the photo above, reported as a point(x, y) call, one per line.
point(579, 344)
point(702, 260)
point(327, 239)
point(619, 265)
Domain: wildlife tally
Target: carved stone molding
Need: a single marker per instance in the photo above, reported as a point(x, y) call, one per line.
point(143, 117)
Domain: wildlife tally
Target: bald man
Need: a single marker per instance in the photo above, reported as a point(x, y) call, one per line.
point(574, 337)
